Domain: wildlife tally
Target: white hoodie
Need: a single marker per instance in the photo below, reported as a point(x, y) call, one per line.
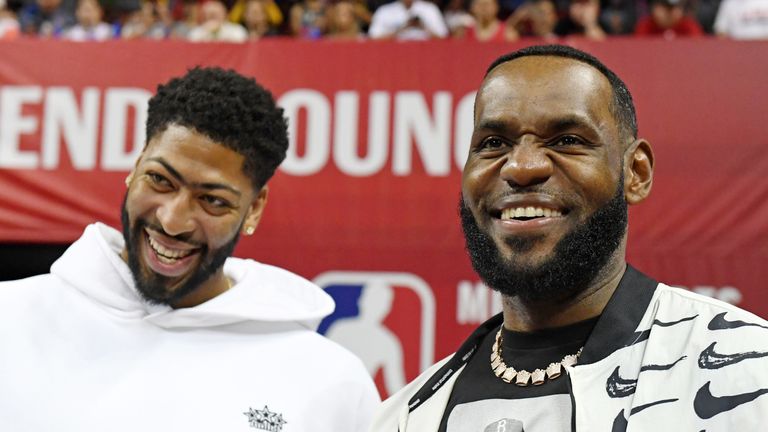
point(81, 351)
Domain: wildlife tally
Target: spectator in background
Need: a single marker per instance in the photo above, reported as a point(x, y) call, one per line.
point(89, 25)
point(705, 12)
point(9, 25)
point(668, 19)
point(117, 12)
point(619, 17)
point(256, 20)
point(535, 18)
point(274, 14)
point(215, 27)
point(509, 6)
point(582, 20)
point(45, 18)
point(457, 18)
point(408, 20)
point(152, 21)
point(343, 22)
point(742, 19)
point(185, 15)
point(487, 26)
point(363, 14)
point(308, 19)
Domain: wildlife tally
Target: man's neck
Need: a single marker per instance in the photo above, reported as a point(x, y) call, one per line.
point(523, 316)
point(216, 285)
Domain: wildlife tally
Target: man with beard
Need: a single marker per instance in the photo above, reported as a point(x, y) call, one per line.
point(158, 329)
point(584, 342)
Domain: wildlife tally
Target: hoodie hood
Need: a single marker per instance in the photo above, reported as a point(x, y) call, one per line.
point(261, 293)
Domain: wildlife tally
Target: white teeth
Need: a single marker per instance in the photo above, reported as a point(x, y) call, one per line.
point(517, 212)
point(165, 260)
point(166, 255)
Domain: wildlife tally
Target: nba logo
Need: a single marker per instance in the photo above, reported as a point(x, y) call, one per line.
point(386, 319)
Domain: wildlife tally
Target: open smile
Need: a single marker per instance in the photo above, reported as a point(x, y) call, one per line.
point(168, 257)
point(517, 217)
point(528, 213)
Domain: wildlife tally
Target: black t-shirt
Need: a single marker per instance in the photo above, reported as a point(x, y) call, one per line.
point(482, 402)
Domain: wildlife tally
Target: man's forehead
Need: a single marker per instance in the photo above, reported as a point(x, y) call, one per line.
point(545, 92)
point(178, 142)
point(534, 79)
point(546, 69)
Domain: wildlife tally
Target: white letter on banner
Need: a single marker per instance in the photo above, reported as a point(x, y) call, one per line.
point(471, 303)
point(115, 155)
point(317, 148)
point(431, 134)
point(13, 124)
point(79, 131)
point(346, 118)
point(465, 113)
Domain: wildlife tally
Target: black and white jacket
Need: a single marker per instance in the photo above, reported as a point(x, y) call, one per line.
point(659, 359)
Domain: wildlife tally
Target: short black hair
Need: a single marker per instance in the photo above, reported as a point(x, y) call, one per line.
point(228, 108)
point(622, 108)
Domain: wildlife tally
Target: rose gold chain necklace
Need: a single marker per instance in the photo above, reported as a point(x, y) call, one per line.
point(523, 377)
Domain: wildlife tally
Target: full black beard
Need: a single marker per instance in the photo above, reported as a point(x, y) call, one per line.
point(575, 263)
point(154, 287)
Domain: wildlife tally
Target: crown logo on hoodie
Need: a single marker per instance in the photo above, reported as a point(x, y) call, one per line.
point(265, 419)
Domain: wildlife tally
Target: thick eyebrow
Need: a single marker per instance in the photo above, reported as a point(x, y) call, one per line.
point(568, 122)
point(180, 178)
point(492, 125)
point(556, 124)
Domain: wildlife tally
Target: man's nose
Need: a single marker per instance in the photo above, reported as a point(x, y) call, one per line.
point(175, 214)
point(527, 164)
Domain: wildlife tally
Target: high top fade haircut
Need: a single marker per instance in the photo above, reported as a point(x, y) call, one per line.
point(228, 108)
point(622, 107)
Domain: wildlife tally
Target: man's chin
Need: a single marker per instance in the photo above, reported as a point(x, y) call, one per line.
point(525, 258)
point(154, 286)
point(159, 289)
point(538, 270)
point(526, 264)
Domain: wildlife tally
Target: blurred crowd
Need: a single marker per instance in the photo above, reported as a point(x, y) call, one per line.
point(482, 20)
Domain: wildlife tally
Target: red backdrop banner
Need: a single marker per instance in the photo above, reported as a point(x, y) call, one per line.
point(366, 202)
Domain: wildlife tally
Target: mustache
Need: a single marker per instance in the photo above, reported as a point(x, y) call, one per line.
point(184, 237)
point(514, 190)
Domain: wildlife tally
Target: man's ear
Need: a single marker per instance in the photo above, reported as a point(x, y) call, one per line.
point(255, 211)
point(638, 171)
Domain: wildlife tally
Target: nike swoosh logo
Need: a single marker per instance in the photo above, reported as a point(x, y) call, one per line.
point(720, 323)
point(639, 408)
point(618, 387)
point(709, 359)
point(707, 406)
point(654, 367)
point(620, 423)
point(641, 336)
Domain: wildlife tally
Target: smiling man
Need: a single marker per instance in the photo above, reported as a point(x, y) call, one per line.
point(158, 329)
point(585, 342)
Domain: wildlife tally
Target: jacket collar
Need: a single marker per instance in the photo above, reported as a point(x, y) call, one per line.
point(616, 326)
point(614, 329)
